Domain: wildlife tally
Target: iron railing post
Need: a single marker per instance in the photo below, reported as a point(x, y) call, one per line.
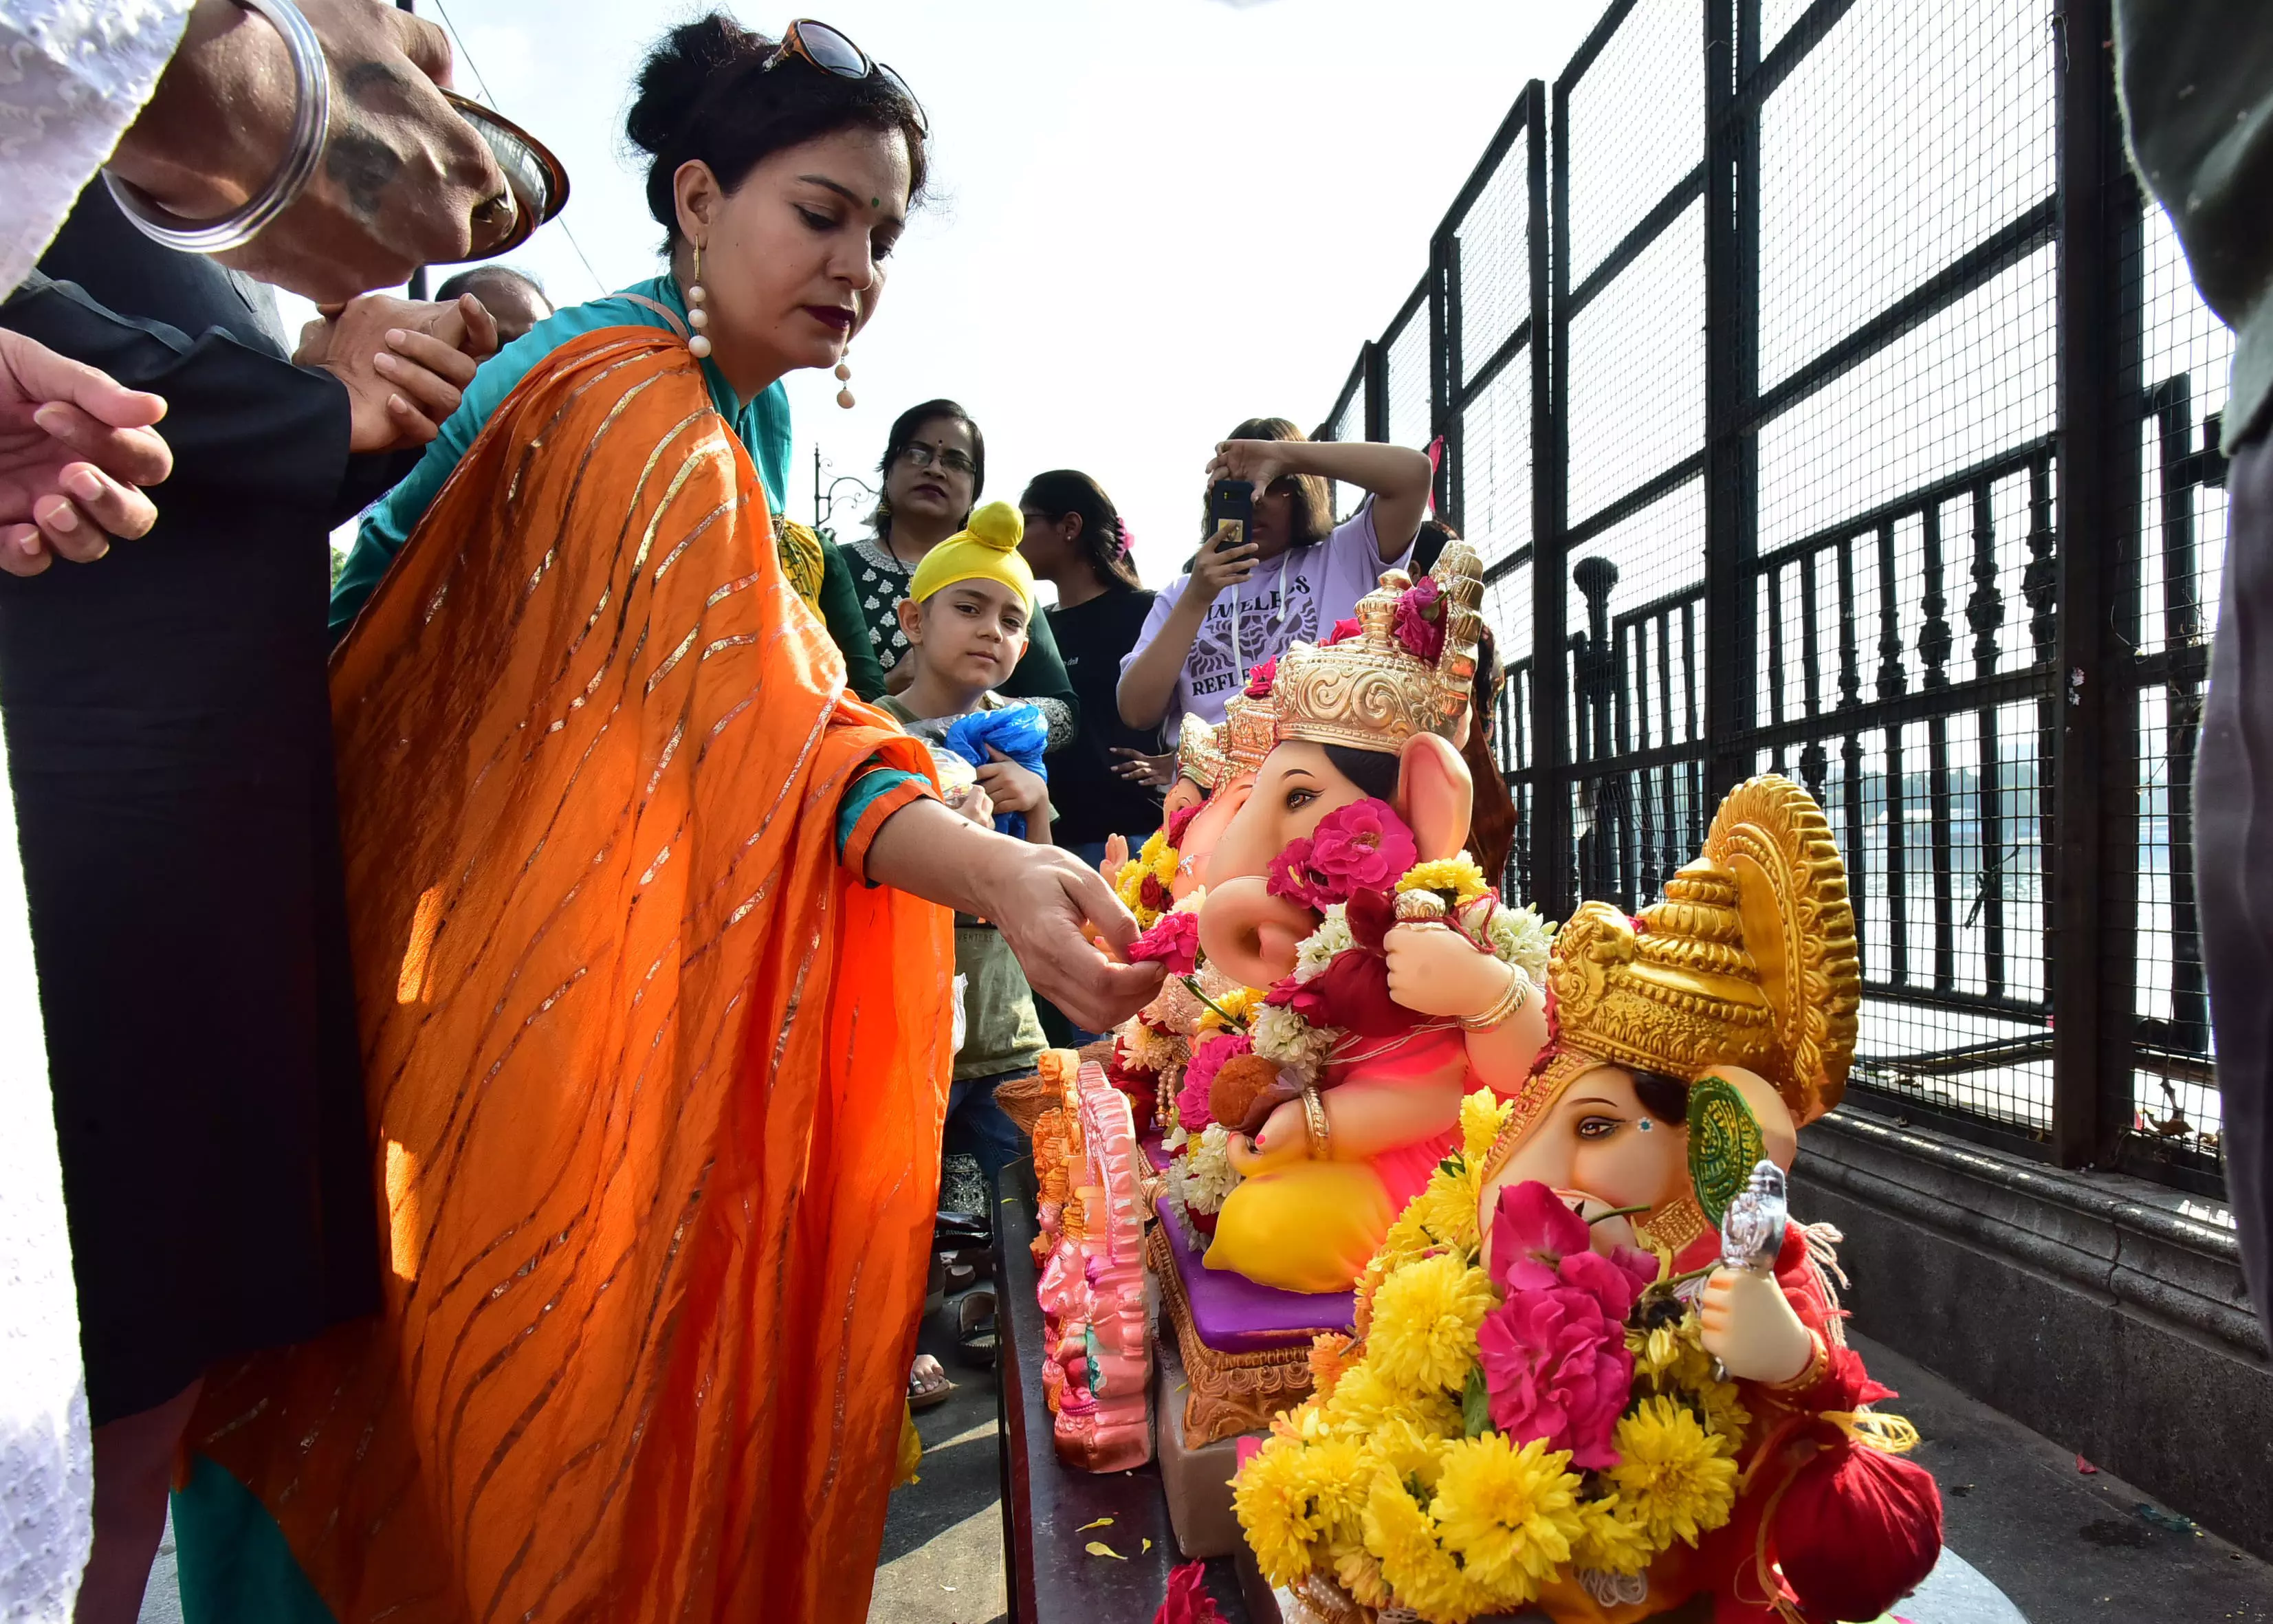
point(2091, 1082)
point(1444, 370)
point(1732, 292)
point(1552, 865)
point(1375, 361)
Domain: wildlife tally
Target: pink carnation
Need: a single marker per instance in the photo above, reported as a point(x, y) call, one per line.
point(1555, 1367)
point(1173, 941)
point(1533, 1231)
point(1192, 1106)
point(1362, 846)
point(1418, 622)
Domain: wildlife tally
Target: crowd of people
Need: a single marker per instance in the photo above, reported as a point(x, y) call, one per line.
point(563, 949)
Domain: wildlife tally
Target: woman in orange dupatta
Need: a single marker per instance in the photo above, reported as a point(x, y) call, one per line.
point(655, 1080)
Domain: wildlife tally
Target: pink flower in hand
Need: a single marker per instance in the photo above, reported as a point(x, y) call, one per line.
point(1173, 941)
point(1533, 1231)
point(1418, 622)
point(1555, 1367)
point(1362, 846)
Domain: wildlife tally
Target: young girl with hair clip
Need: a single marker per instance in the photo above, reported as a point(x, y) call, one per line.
point(1075, 540)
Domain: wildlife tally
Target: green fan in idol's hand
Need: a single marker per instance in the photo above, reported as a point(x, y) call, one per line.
point(1725, 1144)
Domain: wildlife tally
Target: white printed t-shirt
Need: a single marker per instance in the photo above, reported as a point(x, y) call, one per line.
point(1295, 597)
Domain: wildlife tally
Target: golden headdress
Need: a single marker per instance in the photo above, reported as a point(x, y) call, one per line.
point(1371, 691)
point(1750, 960)
point(1211, 754)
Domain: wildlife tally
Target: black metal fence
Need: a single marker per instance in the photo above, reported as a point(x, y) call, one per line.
point(1824, 397)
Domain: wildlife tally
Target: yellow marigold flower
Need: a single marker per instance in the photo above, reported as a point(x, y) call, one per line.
point(1359, 1573)
point(1422, 1575)
point(1408, 1450)
point(1725, 1415)
point(1510, 1514)
point(1671, 1476)
point(1425, 1317)
point(1482, 1114)
point(1336, 1476)
point(1272, 1496)
point(1364, 1402)
point(1155, 843)
point(1240, 1007)
point(1459, 874)
point(1446, 1208)
point(1610, 1541)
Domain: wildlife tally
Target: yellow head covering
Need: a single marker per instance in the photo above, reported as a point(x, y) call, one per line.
point(987, 550)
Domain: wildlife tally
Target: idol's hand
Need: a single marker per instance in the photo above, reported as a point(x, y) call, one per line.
point(75, 446)
point(1284, 1139)
point(1752, 1327)
point(1037, 896)
point(1434, 970)
point(405, 365)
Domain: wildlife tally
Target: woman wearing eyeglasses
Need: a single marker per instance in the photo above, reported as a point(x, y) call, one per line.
point(934, 470)
point(652, 967)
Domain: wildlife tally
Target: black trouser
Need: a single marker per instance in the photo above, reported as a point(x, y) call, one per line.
point(2233, 859)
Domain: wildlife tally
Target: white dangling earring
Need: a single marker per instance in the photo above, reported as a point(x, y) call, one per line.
point(844, 376)
point(697, 318)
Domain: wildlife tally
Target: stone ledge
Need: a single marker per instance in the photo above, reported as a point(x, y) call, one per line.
point(2107, 1233)
point(2087, 1306)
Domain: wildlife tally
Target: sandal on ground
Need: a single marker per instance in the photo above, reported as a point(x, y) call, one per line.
point(927, 1383)
point(974, 1330)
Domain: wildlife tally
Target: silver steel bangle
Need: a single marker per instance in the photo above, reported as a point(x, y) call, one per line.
point(311, 125)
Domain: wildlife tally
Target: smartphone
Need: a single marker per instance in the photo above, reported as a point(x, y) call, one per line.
point(1231, 501)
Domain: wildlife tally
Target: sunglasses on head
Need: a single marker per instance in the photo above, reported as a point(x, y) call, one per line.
point(824, 48)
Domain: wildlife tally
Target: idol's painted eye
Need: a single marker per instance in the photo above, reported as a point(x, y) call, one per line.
point(1297, 798)
point(1598, 1127)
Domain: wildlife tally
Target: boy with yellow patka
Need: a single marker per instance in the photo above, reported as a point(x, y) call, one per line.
point(966, 618)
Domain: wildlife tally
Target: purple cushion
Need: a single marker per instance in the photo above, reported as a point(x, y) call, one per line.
point(1234, 1315)
point(1153, 1152)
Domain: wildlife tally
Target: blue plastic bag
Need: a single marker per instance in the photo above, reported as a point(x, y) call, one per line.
point(1020, 732)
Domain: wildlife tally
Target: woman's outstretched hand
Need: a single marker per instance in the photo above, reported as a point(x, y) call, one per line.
point(1041, 898)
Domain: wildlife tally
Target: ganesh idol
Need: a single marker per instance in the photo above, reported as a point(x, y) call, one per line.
point(1601, 1310)
point(1346, 974)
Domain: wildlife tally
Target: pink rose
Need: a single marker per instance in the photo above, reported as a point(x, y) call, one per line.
point(1192, 1108)
point(1362, 846)
point(1260, 679)
point(1289, 874)
point(1173, 941)
point(1532, 1232)
point(1418, 622)
point(1344, 629)
point(1555, 1367)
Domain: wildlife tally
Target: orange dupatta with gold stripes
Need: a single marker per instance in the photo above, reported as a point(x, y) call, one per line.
point(655, 1084)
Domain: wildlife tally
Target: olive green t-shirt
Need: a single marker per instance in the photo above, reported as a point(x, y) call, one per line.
point(1001, 1031)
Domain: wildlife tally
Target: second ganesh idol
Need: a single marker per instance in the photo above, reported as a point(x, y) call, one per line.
point(1347, 973)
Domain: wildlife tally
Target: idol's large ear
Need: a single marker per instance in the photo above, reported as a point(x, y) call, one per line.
point(1434, 795)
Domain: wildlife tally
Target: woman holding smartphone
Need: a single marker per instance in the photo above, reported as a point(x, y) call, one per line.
point(1295, 574)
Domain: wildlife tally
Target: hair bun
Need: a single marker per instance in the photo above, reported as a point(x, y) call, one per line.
point(998, 524)
point(676, 72)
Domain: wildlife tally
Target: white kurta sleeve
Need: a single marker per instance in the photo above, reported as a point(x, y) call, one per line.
point(74, 75)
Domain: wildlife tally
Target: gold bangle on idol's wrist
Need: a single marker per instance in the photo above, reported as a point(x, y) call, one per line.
point(1503, 1011)
point(1314, 1121)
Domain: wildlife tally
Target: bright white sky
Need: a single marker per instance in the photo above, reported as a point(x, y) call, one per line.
point(1150, 221)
